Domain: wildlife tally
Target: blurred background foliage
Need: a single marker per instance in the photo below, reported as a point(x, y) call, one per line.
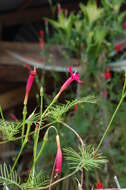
point(92, 36)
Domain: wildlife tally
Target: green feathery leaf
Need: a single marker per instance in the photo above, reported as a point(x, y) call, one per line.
point(8, 178)
point(87, 159)
point(57, 111)
point(38, 180)
point(9, 129)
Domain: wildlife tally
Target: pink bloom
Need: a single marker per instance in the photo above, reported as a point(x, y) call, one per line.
point(74, 76)
point(99, 186)
point(29, 85)
point(58, 157)
point(124, 25)
point(117, 48)
point(107, 75)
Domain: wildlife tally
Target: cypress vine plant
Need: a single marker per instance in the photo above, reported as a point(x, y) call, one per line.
point(84, 158)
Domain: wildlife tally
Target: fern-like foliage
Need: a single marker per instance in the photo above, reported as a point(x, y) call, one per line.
point(33, 118)
point(56, 113)
point(87, 159)
point(8, 178)
point(9, 129)
point(40, 179)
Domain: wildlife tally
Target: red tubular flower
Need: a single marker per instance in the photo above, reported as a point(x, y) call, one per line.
point(99, 185)
point(117, 48)
point(124, 25)
point(58, 156)
point(29, 85)
point(74, 76)
point(107, 75)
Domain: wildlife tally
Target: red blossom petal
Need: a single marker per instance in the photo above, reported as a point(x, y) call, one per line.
point(41, 33)
point(74, 76)
point(117, 48)
point(70, 71)
point(107, 75)
point(124, 25)
point(99, 186)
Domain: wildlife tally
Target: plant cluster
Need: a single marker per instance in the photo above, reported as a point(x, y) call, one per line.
point(90, 36)
point(84, 158)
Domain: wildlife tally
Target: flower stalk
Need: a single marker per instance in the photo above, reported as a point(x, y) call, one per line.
point(22, 147)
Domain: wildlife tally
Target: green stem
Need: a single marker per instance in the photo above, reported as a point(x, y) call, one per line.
point(59, 180)
point(50, 105)
point(22, 147)
point(17, 158)
point(46, 29)
point(36, 136)
point(44, 142)
point(113, 116)
point(35, 159)
point(42, 147)
point(42, 114)
point(40, 122)
point(41, 96)
point(24, 118)
point(1, 112)
point(124, 86)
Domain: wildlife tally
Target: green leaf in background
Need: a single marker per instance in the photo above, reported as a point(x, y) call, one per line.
point(91, 11)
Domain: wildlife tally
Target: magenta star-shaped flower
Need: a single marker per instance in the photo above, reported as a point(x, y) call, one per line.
point(73, 77)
